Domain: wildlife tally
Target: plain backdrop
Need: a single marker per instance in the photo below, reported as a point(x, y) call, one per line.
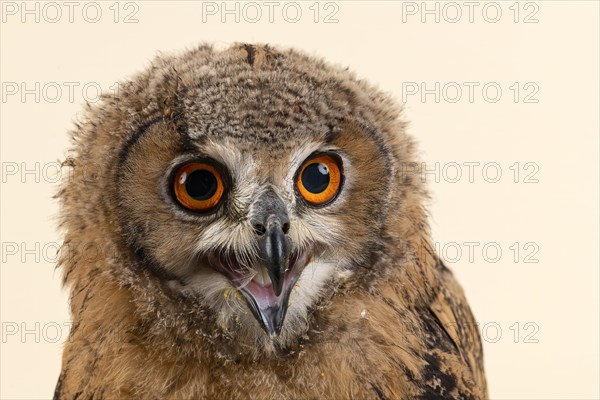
point(502, 96)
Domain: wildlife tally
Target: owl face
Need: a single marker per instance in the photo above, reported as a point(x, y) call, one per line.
point(258, 233)
point(254, 188)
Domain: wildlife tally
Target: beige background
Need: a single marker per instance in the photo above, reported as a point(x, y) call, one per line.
point(539, 319)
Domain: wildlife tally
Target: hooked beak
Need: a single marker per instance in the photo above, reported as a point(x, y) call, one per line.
point(268, 298)
point(274, 251)
point(268, 293)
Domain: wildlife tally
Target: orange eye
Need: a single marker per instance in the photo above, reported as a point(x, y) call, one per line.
point(320, 179)
point(198, 186)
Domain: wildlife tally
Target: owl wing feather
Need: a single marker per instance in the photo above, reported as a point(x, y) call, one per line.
point(454, 354)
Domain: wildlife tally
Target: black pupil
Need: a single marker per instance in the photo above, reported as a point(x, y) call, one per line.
point(315, 177)
point(201, 185)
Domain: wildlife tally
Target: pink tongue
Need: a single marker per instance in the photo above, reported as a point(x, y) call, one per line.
point(263, 295)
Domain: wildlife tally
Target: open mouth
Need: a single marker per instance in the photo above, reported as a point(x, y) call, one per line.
point(267, 306)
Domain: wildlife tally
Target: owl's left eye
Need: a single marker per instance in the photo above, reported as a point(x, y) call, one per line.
point(198, 186)
point(320, 179)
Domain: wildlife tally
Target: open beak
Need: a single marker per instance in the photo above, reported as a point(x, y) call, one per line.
point(270, 308)
point(271, 317)
point(268, 298)
point(277, 268)
point(268, 294)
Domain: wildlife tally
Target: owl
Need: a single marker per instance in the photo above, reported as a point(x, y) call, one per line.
point(250, 223)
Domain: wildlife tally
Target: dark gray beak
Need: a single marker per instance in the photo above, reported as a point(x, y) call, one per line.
point(271, 224)
point(274, 250)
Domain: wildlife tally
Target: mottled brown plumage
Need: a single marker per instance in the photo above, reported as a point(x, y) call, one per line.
point(374, 314)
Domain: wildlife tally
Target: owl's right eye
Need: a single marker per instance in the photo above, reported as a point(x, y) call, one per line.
point(198, 186)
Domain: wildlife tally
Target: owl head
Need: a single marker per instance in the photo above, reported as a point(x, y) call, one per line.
point(235, 191)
